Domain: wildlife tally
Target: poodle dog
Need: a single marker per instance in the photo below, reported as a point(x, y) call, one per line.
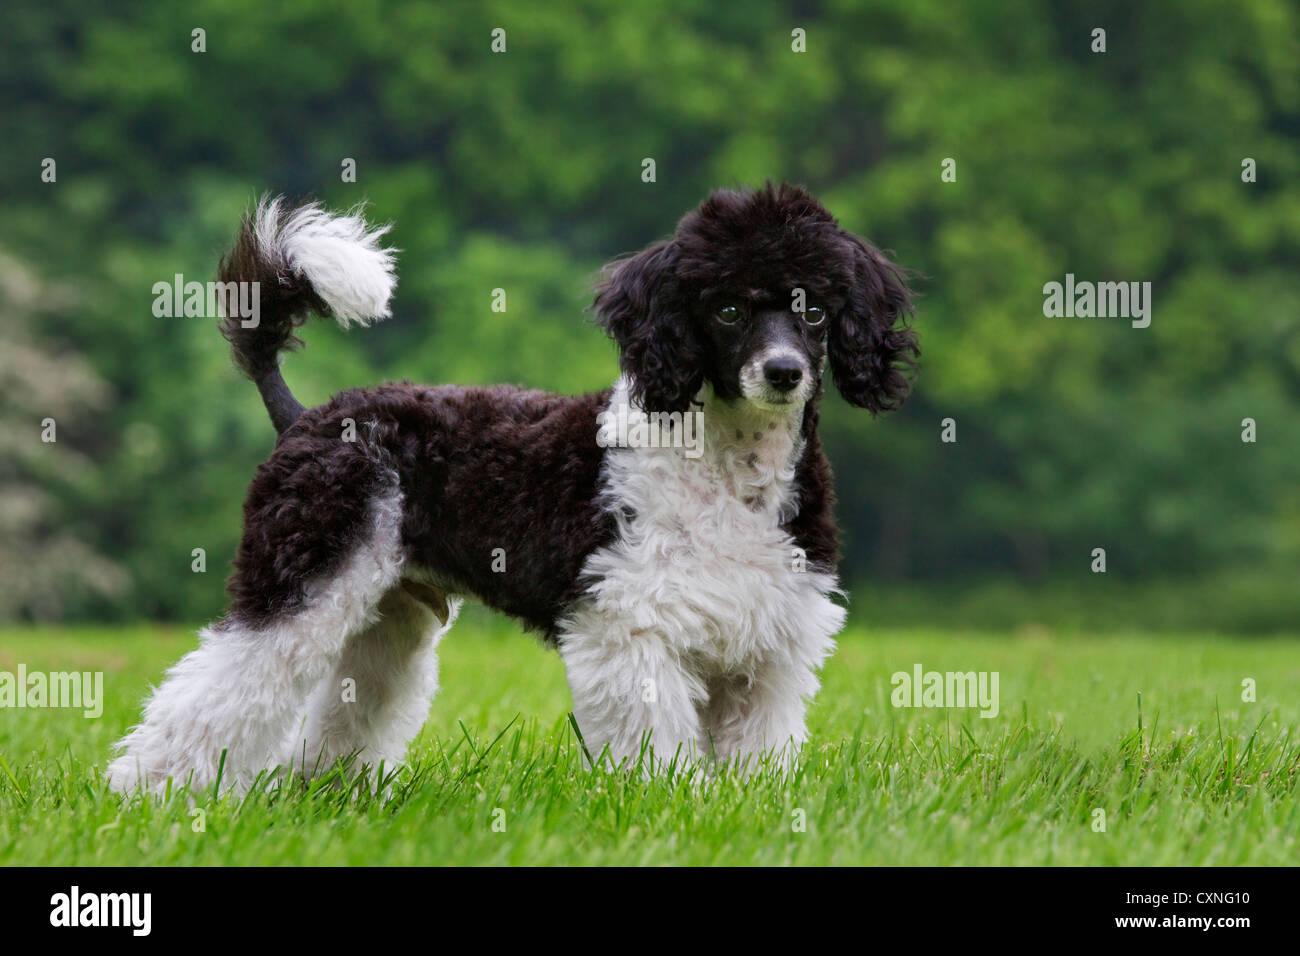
point(671, 536)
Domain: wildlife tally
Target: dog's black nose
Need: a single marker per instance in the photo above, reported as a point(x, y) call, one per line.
point(783, 373)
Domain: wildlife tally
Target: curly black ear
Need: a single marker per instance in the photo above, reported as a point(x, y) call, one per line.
point(639, 304)
point(872, 352)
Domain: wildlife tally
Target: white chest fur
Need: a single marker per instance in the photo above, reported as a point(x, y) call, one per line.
point(701, 564)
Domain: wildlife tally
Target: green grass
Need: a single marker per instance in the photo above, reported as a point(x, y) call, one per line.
point(1192, 775)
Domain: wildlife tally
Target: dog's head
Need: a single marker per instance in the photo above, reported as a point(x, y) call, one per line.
point(752, 292)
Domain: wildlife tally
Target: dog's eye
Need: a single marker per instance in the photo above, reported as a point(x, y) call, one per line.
point(729, 315)
point(814, 315)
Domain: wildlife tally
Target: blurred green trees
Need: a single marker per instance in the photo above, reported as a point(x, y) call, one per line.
point(522, 170)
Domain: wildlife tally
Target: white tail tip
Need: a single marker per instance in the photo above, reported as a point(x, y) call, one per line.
point(339, 255)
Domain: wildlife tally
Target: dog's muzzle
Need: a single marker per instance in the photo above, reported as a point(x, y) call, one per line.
point(776, 379)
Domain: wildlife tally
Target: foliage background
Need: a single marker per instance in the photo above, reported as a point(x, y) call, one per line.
point(522, 171)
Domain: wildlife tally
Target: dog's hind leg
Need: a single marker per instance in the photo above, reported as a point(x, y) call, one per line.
point(376, 698)
point(224, 711)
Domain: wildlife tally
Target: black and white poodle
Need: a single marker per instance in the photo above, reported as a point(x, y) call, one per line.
point(671, 536)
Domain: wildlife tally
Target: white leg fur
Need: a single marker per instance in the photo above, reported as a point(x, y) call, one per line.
point(763, 713)
point(630, 687)
point(377, 697)
point(243, 688)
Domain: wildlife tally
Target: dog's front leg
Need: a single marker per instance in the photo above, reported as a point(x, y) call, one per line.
point(758, 717)
point(632, 691)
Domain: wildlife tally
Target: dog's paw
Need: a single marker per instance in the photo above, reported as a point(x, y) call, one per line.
point(125, 776)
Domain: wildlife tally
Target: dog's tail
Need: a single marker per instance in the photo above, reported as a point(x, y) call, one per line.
point(304, 261)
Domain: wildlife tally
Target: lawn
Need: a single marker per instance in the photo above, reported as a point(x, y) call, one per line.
point(1151, 729)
